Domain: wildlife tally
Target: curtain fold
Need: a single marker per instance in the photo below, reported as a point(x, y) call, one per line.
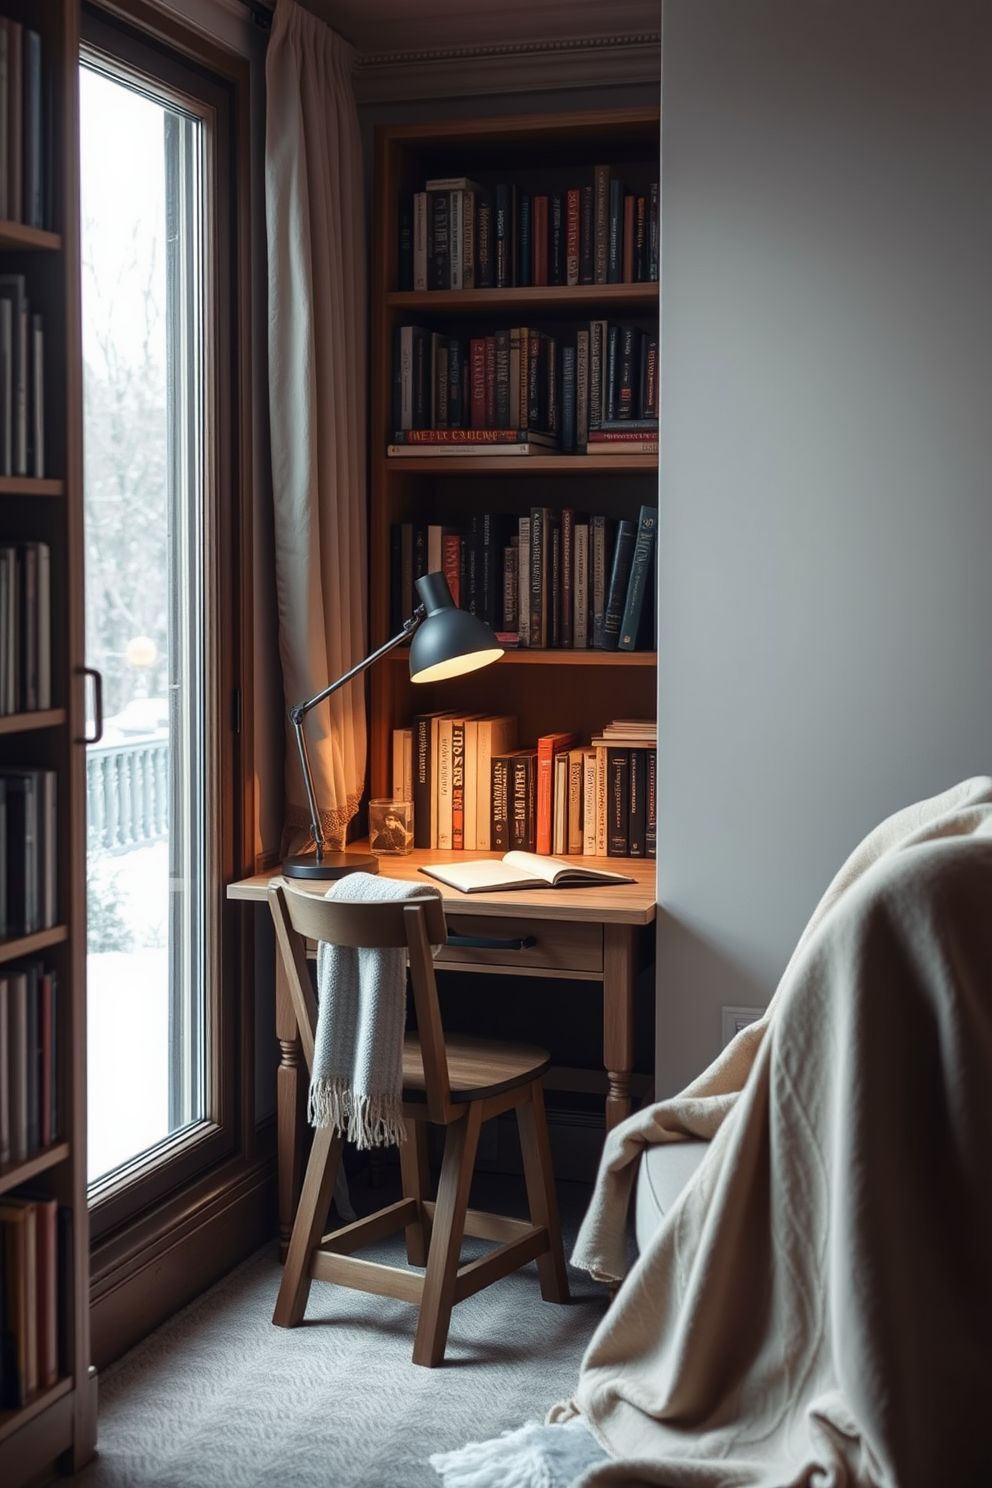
point(317, 342)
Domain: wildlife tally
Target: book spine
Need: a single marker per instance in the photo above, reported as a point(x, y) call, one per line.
point(614, 251)
point(34, 205)
point(15, 124)
point(456, 238)
point(539, 235)
point(554, 598)
point(573, 212)
point(559, 805)
point(499, 832)
point(618, 803)
point(539, 569)
point(627, 252)
point(627, 371)
point(601, 222)
point(597, 364)
point(649, 378)
point(423, 775)
point(610, 372)
point(456, 364)
point(580, 588)
point(641, 240)
point(651, 803)
point(4, 167)
point(567, 624)
point(523, 580)
point(586, 235)
point(505, 234)
point(589, 796)
point(485, 259)
point(468, 239)
point(598, 575)
point(489, 416)
point(654, 232)
point(636, 842)
point(525, 243)
point(639, 581)
point(505, 414)
point(602, 813)
point(549, 746)
point(420, 240)
point(457, 784)
point(569, 436)
point(576, 771)
point(557, 266)
point(451, 563)
point(616, 598)
point(511, 568)
point(477, 382)
point(441, 383)
point(522, 818)
point(439, 263)
point(581, 391)
point(470, 792)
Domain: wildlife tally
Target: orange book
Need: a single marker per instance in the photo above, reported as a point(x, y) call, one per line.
point(548, 746)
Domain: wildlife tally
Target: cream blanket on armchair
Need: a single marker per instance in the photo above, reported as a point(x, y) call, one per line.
point(817, 1308)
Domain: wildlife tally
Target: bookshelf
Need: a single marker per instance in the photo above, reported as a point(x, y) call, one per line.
point(53, 1425)
point(579, 690)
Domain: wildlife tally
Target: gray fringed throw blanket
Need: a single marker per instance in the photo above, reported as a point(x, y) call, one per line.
point(356, 1084)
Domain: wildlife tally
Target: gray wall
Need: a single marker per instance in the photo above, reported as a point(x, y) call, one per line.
point(826, 469)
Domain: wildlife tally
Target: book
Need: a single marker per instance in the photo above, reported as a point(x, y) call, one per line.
point(33, 178)
point(501, 770)
point(640, 575)
point(523, 800)
point(616, 596)
point(520, 870)
point(548, 747)
point(617, 802)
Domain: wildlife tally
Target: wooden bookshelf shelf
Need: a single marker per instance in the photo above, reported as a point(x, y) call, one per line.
point(18, 235)
point(29, 945)
point(23, 723)
point(26, 485)
point(506, 465)
point(545, 301)
point(12, 1175)
point(524, 656)
point(45, 1400)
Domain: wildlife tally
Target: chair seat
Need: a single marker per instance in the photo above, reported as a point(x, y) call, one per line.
point(477, 1067)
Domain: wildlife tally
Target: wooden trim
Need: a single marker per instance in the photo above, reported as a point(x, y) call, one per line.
point(152, 1267)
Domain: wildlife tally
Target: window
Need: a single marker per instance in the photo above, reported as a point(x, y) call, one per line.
point(160, 525)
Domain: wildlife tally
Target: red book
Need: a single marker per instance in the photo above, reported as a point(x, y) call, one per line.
point(477, 382)
point(548, 746)
point(627, 259)
point(573, 200)
point(490, 398)
point(539, 232)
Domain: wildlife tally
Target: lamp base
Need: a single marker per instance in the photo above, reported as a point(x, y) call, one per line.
point(328, 865)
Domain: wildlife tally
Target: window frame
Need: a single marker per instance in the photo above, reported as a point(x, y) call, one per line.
point(135, 41)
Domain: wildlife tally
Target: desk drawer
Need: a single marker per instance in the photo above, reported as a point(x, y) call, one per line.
point(561, 946)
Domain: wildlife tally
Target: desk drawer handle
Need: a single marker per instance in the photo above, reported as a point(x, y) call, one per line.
point(491, 943)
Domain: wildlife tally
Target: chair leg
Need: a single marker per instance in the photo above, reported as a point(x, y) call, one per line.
point(415, 1172)
point(460, 1146)
point(311, 1215)
point(539, 1176)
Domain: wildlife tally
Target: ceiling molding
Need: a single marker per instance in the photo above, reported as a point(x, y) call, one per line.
point(508, 67)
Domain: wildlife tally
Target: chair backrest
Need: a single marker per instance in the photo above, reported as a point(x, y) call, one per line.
point(411, 924)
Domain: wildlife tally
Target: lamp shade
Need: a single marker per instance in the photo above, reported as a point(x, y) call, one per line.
point(449, 641)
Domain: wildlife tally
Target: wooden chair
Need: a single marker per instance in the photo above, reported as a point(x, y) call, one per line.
point(455, 1082)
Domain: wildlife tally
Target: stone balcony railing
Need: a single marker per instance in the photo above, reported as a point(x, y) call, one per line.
point(127, 793)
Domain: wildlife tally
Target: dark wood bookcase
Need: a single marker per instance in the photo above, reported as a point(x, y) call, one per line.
point(577, 690)
point(56, 1427)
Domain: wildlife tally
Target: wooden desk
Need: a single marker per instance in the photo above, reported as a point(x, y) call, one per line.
point(587, 934)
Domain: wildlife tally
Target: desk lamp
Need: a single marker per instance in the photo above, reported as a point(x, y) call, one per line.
point(446, 642)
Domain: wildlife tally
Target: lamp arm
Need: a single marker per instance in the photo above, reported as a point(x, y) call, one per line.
point(299, 711)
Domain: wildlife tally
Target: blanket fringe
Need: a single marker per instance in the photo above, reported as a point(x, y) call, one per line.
point(534, 1456)
point(366, 1120)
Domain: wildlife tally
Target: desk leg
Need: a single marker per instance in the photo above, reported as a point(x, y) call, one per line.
point(291, 1085)
point(619, 964)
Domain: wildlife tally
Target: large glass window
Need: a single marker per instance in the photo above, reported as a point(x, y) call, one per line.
point(158, 802)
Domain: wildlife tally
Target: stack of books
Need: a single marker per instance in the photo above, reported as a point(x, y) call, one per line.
point(33, 1263)
point(24, 192)
point(28, 861)
point(474, 789)
point(458, 233)
point(29, 1112)
point(25, 627)
point(550, 579)
point(522, 389)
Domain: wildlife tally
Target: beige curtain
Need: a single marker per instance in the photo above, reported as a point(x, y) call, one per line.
point(315, 218)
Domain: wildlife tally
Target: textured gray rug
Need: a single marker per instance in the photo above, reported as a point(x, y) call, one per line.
point(219, 1398)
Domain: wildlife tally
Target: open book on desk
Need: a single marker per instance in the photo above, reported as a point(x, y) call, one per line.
point(521, 870)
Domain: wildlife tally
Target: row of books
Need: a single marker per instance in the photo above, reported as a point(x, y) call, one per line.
point(458, 234)
point(22, 381)
point(29, 1094)
point(25, 627)
point(22, 154)
point(34, 1265)
point(522, 385)
point(28, 858)
point(473, 789)
point(549, 579)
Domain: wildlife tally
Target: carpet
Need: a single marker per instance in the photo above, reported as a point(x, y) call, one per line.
point(219, 1398)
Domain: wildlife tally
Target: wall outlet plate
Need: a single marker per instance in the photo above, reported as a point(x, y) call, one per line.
point(736, 1018)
